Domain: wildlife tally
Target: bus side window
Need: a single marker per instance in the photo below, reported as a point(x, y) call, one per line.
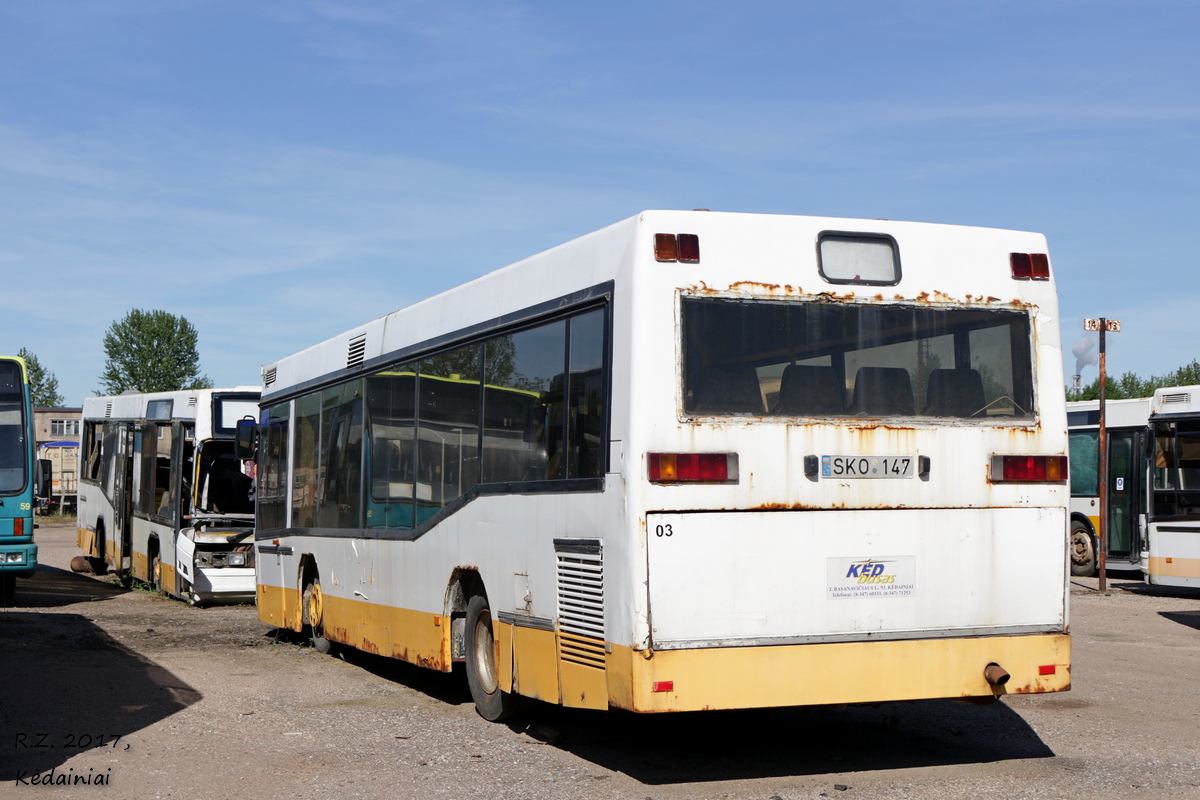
point(523, 404)
point(587, 396)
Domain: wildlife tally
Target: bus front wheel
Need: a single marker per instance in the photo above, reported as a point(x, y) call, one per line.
point(1083, 551)
point(314, 615)
point(8, 589)
point(491, 702)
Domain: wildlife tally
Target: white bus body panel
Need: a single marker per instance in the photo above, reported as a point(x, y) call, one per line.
point(795, 576)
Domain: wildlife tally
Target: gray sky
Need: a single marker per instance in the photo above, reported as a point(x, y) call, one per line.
point(280, 171)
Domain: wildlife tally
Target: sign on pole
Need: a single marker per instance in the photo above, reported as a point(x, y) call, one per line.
point(1103, 326)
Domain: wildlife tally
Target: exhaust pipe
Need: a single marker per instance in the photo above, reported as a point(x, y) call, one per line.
point(996, 675)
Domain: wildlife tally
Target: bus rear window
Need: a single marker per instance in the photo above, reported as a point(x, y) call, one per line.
point(819, 359)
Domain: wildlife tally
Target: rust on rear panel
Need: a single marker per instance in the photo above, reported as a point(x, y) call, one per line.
point(739, 285)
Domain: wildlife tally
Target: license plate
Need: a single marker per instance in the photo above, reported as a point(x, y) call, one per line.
point(867, 466)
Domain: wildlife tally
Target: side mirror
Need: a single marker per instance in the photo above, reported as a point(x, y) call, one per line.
point(247, 439)
point(43, 477)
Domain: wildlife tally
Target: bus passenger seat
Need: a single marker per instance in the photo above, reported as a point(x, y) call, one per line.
point(808, 390)
point(882, 391)
point(729, 389)
point(954, 393)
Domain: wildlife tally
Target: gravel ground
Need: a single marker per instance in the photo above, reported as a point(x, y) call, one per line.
point(211, 703)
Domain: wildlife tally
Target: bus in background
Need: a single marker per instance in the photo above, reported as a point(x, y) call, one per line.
point(162, 497)
point(1171, 550)
point(1125, 421)
point(22, 479)
point(690, 461)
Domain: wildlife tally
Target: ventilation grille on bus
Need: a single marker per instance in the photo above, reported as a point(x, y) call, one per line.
point(1179, 397)
point(108, 409)
point(358, 348)
point(581, 601)
point(191, 401)
point(268, 376)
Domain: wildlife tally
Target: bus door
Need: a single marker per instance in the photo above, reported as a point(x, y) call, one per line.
point(1125, 493)
point(123, 502)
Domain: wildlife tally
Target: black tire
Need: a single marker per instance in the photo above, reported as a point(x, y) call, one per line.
point(314, 615)
point(492, 704)
point(8, 589)
point(1083, 551)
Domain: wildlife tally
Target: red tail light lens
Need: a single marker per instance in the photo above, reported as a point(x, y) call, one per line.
point(1030, 266)
point(1029, 469)
point(689, 248)
point(693, 467)
point(1022, 268)
point(1040, 264)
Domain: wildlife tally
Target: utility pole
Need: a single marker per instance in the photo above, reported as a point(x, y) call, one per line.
point(1103, 326)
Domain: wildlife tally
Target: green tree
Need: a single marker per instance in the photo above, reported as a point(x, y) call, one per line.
point(151, 351)
point(43, 386)
point(1130, 385)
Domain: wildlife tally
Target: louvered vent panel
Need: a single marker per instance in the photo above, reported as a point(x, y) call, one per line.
point(581, 593)
point(108, 409)
point(581, 604)
point(1179, 397)
point(191, 401)
point(356, 351)
point(269, 376)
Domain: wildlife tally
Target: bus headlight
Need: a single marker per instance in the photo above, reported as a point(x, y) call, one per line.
point(236, 560)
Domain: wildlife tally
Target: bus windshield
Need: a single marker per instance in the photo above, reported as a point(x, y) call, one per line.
point(13, 456)
point(756, 358)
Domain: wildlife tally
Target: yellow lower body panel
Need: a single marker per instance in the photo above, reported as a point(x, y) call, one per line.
point(88, 543)
point(417, 637)
point(534, 662)
point(169, 583)
point(559, 668)
point(141, 566)
point(280, 607)
point(821, 674)
point(1175, 567)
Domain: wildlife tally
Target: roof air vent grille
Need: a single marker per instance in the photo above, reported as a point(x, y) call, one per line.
point(356, 351)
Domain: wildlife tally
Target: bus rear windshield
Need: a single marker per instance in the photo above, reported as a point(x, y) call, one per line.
point(821, 359)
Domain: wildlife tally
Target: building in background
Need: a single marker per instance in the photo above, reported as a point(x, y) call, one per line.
point(56, 431)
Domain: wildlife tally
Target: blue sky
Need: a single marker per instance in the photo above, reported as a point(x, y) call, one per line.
point(280, 171)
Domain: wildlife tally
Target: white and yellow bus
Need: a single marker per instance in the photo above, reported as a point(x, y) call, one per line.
point(1171, 550)
point(690, 461)
point(162, 497)
point(1125, 423)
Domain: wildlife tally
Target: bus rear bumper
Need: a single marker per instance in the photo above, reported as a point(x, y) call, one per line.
point(18, 559)
point(836, 673)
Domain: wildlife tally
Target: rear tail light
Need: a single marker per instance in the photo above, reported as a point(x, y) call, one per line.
point(684, 247)
point(1027, 266)
point(693, 467)
point(1029, 469)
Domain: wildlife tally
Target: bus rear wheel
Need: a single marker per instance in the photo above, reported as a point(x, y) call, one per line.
point(314, 615)
point(491, 702)
point(1083, 551)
